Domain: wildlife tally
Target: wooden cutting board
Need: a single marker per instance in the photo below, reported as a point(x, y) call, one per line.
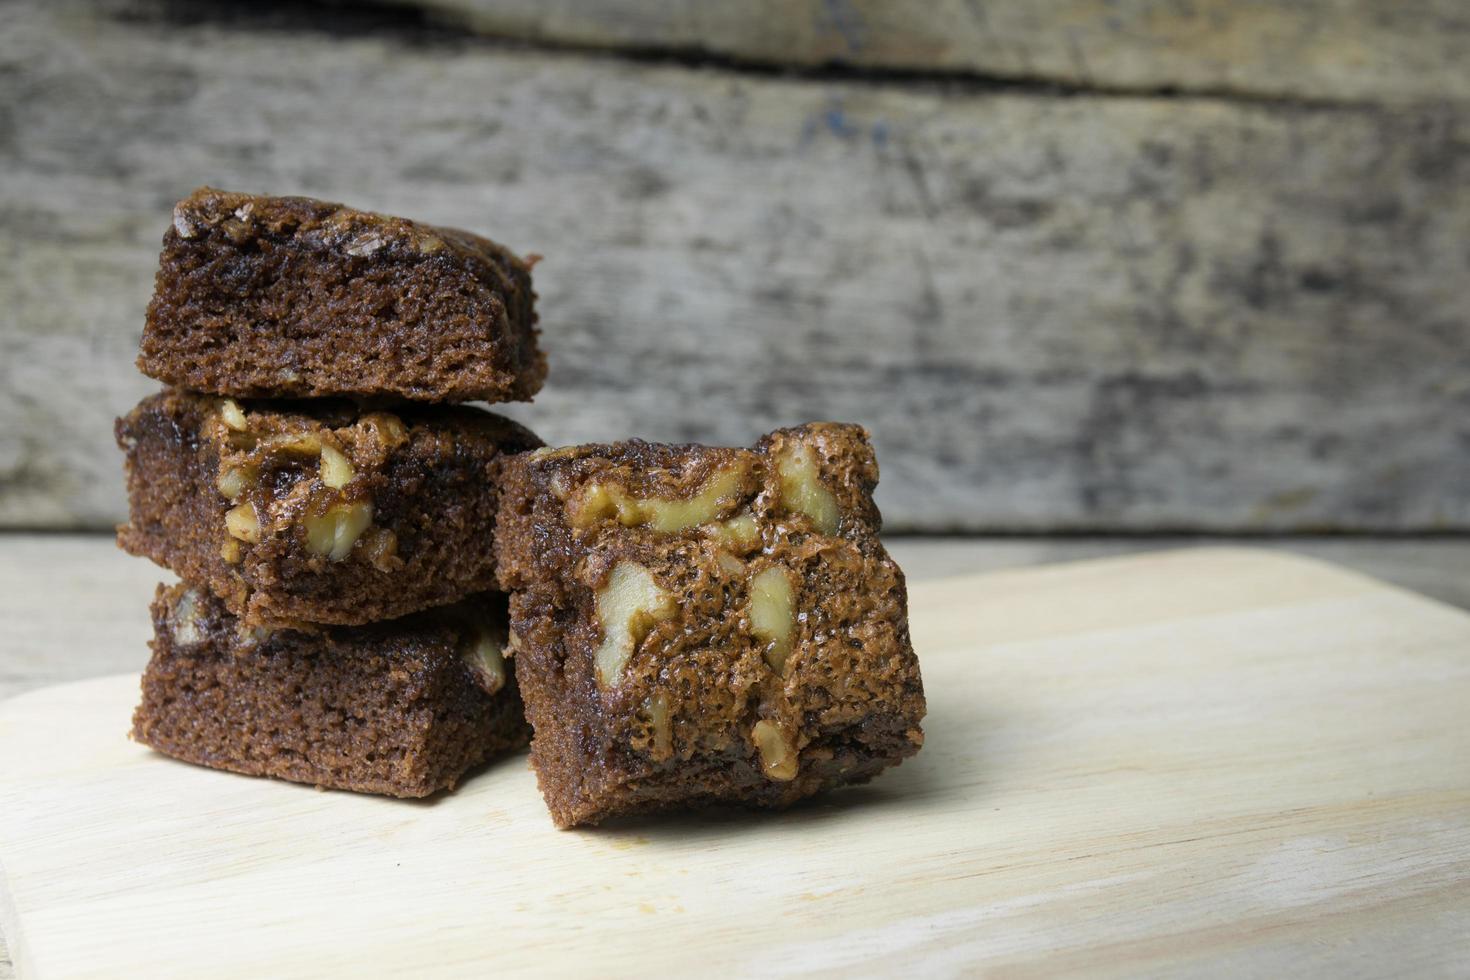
point(1225, 762)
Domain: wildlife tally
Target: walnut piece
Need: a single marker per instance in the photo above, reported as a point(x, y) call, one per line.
point(334, 531)
point(186, 620)
point(300, 443)
point(233, 481)
point(731, 565)
point(599, 501)
point(772, 614)
point(484, 653)
point(778, 757)
point(336, 468)
point(627, 607)
point(801, 488)
point(243, 524)
point(233, 415)
point(740, 531)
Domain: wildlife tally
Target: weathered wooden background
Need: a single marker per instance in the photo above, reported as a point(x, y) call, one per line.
point(1078, 265)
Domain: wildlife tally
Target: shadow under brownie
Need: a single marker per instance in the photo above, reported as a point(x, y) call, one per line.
point(315, 511)
point(695, 625)
point(403, 708)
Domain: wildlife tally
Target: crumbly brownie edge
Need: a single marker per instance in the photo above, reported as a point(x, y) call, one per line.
point(392, 709)
point(420, 499)
point(280, 297)
point(592, 748)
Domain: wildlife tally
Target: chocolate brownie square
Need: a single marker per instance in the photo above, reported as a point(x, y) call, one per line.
point(696, 625)
point(283, 297)
point(315, 511)
point(403, 708)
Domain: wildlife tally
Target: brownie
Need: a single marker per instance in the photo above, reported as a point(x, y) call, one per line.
point(402, 708)
point(695, 625)
point(317, 511)
point(284, 297)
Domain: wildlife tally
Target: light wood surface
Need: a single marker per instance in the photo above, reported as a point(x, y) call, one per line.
point(73, 606)
point(1219, 761)
point(1087, 312)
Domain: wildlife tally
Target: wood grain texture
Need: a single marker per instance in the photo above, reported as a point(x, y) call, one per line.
point(1084, 312)
point(73, 606)
point(1375, 50)
point(1214, 763)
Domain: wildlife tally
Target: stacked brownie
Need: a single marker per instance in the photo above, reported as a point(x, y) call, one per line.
point(331, 515)
point(687, 625)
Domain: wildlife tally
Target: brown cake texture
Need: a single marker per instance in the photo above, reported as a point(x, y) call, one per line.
point(285, 297)
point(403, 708)
point(315, 512)
point(695, 625)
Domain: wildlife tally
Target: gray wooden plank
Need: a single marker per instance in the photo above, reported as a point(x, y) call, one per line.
point(1082, 313)
point(1374, 50)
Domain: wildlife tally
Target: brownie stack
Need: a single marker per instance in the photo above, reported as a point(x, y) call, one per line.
point(330, 511)
point(687, 624)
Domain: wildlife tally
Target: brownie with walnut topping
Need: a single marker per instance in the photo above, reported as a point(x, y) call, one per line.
point(289, 297)
point(403, 708)
point(316, 512)
point(695, 625)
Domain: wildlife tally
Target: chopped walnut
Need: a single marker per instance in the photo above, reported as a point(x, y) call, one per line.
point(801, 488)
point(486, 658)
point(600, 501)
point(185, 618)
point(627, 608)
point(778, 757)
point(772, 614)
point(242, 523)
point(336, 468)
point(334, 531)
point(233, 415)
point(233, 481)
